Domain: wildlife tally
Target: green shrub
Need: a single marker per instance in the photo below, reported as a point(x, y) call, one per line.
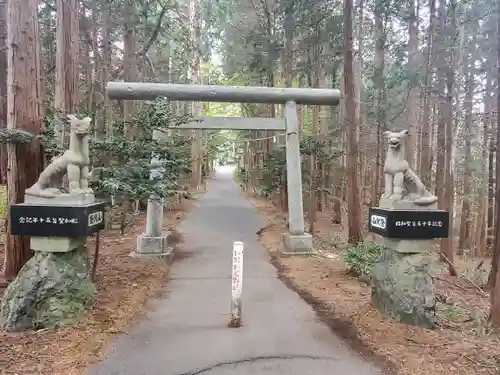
point(361, 258)
point(240, 175)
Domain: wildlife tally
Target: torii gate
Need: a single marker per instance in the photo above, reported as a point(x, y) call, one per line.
point(297, 241)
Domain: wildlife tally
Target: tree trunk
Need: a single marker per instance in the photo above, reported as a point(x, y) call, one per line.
point(412, 105)
point(491, 181)
point(3, 88)
point(444, 181)
point(24, 112)
point(483, 210)
point(353, 203)
point(106, 66)
point(426, 132)
point(314, 78)
point(313, 171)
point(494, 279)
point(97, 122)
point(465, 239)
point(66, 88)
point(379, 95)
point(195, 77)
point(129, 65)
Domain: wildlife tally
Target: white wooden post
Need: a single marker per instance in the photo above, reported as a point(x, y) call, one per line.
point(236, 284)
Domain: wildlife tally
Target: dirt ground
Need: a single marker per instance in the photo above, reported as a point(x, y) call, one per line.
point(124, 285)
point(463, 344)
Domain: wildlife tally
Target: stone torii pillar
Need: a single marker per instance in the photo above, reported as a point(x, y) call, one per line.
point(297, 241)
point(153, 242)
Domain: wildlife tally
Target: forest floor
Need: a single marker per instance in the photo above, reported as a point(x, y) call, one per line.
point(124, 284)
point(462, 344)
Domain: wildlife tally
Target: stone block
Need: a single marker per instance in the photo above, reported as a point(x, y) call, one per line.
point(56, 244)
point(413, 246)
point(297, 244)
point(406, 204)
point(61, 200)
point(153, 247)
point(403, 288)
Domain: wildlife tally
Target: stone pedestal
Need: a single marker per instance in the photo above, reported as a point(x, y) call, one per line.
point(154, 242)
point(405, 204)
point(403, 288)
point(61, 200)
point(297, 244)
point(56, 244)
point(153, 247)
point(53, 289)
point(403, 246)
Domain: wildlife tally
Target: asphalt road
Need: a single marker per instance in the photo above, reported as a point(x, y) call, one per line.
point(186, 331)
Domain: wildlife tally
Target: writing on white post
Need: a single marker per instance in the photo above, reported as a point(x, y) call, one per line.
point(236, 284)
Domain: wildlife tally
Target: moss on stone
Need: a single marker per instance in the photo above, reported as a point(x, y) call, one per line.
point(51, 290)
point(403, 288)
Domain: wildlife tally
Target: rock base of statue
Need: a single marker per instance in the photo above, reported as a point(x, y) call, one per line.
point(402, 286)
point(53, 289)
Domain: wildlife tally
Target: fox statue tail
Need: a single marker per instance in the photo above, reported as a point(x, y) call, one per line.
point(426, 198)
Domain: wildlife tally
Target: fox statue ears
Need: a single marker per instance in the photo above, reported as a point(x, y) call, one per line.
point(74, 119)
point(402, 133)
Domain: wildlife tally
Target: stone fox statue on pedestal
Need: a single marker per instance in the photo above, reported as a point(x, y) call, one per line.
point(401, 183)
point(74, 162)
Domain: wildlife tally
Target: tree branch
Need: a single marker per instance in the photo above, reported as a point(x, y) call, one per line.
point(151, 66)
point(155, 33)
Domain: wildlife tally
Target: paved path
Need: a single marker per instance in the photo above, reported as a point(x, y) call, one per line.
point(186, 332)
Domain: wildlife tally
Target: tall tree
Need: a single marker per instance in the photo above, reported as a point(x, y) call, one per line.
point(66, 88)
point(446, 76)
point(380, 98)
point(106, 65)
point(129, 62)
point(195, 77)
point(3, 87)
point(412, 69)
point(353, 196)
point(24, 112)
point(495, 269)
point(465, 239)
point(425, 158)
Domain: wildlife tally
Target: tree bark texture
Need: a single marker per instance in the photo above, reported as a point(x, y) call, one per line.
point(66, 87)
point(24, 112)
point(3, 87)
point(353, 201)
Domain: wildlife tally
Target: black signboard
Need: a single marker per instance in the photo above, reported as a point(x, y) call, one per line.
point(57, 221)
point(411, 224)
